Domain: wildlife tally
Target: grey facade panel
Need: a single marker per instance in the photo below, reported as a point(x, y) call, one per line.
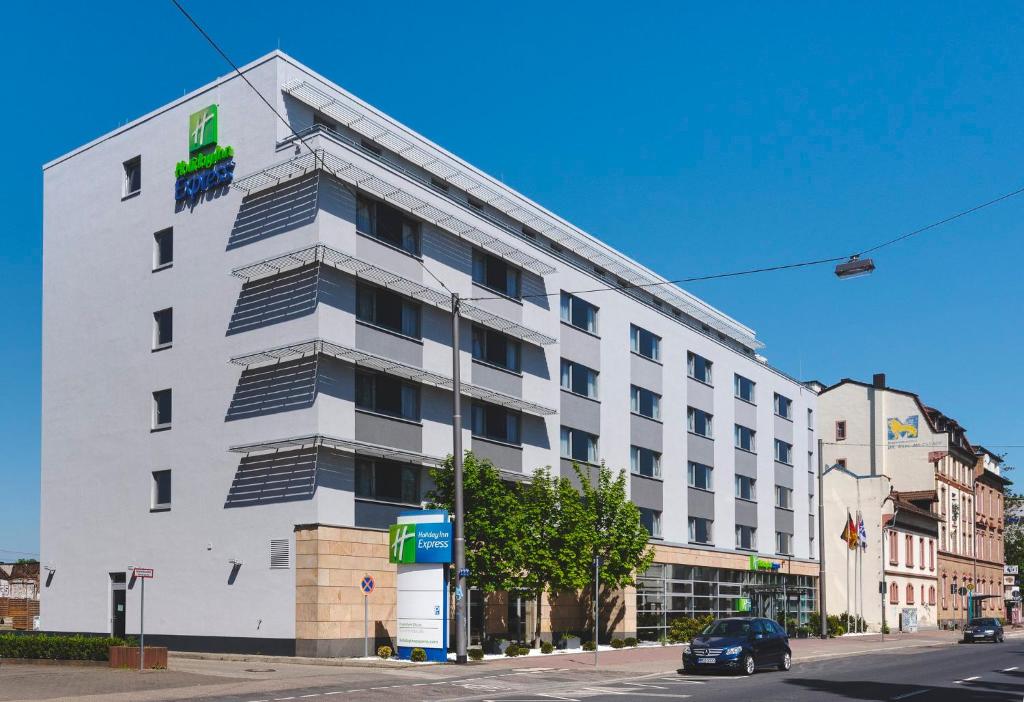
point(581, 413)
point(646, 492)
point(645, 373)
point(746, 513)
point(700, 449)
point(496, 379)
point(645, 432)
point(390, 259)
point(493, 302)
point(700, 395)
point(745, 463)
point(745, 413)
point(581, 347)
point(385, 431)
point(503, 456)
point(377, 515)
point(784, 520)
point(700, 503)
point(388, 345)
point(783, 429)
point(783, 475)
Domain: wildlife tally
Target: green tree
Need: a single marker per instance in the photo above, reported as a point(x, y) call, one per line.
point(1013, 534)
point(492, 521)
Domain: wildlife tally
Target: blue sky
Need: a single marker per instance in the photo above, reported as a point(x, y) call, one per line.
point(698, 139)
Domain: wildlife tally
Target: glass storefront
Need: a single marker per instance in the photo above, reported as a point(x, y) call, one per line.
point(667, 592)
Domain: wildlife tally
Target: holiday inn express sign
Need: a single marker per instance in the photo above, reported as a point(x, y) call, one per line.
point(420, 543)
point(209, 165)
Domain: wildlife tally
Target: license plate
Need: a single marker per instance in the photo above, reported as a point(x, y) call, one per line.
point(705, 660)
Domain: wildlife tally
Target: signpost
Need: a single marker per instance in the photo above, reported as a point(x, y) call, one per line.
point(142, 574)
point(366, 585)
point(420, 545)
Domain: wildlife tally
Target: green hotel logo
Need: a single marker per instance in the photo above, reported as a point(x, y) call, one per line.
point(202, 129)
point(402, 543)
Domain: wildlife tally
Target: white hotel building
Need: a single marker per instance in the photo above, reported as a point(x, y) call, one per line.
point(241, 391)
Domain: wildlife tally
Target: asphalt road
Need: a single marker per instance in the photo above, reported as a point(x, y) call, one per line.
point(964, 673)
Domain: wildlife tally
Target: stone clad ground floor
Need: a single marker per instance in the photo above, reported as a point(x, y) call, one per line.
point(331, 561)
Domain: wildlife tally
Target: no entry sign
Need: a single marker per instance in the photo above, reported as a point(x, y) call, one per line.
point(366, 585)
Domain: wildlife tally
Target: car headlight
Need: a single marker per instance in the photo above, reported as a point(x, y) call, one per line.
point(733, 650)
point(686, 649)
point(989, 632)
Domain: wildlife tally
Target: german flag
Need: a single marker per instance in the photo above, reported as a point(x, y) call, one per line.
point(849, 534)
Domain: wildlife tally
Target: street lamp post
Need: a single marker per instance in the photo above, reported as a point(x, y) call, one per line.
point(822, 609)
point(881, 587)
point(460, 537)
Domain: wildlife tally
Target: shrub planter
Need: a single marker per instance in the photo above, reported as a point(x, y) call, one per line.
point(569, 642)
point(496, 646)
point(128, 657)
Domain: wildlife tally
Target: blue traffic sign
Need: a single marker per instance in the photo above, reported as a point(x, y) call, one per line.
point(366, 585)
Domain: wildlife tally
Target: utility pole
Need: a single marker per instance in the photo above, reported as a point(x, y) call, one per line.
point(822, 610)
point(460, 537)
point(597, 596)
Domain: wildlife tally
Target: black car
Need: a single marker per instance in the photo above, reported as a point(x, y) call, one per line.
point(983, 628)
point(739, 644)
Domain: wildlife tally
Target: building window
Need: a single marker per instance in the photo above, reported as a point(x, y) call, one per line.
point(644, 343)
point(163, 249)
point(132, 176)
point(841, 430)
point(388, 395)
point(698, 422)
point(746, 488)
point(810, 419)
point(644, 402)
point(496, 423)
point(943, 591)
point(651, 521)
point(439, 184)
point(644, 461)
point(160, 499)
point(700, 476)
point(920, 546)
point(579, 379)
point(909, 554)
point(910, 594)
point(388, 310)
point(579, 313)
point(698, 368)
point(701, 530)
point(783, 452)
point(745, 438)
point(783, 497)
point(162, 409)
point(783, 543)
point(841, 462)
point(744, 388)
point(894, 593)
point(388, 481)
point(495, 348)
point(746, 537)
point(388, 225)
point(894, 545)
point(784, 408)
point(495, 274)
point(163, 328)
point(577, 445)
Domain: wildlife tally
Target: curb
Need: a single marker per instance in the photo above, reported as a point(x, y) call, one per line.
point(295, 660)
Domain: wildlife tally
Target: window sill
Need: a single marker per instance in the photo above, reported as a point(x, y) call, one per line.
point(748, 402)
point(495, 366)
point(740, 448)
point(576, 394)
point(588, 464)
point(384, 415)
point(698, 380)
point(580, 329)
point(710, 491)
point(644, 416)
point(751, 549)
point(163, 267)
point(783, 463)
point(382, 242)
point(656, 478)
point(160, 427)
point(503, 295)
point(701, 543)
point(788, 419)
point(499, 442)
point(746, 499)
point(703, 436)
point(392, 332)
point(129, 196)
point(646, 358)
point(162, 347)
point(374, 500)
point(784, 509)
point(160, 508)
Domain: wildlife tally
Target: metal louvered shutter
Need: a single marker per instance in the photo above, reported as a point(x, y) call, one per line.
point(279, 553)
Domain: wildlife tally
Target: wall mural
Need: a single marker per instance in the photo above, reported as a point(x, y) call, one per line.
point(900, 429)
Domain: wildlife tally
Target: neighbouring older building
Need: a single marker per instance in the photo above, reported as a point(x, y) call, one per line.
point(989, 521)
point(929, 461)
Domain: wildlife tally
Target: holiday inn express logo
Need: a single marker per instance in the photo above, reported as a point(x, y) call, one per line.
point(202, 129)
point(402, 543)
point(420, 543)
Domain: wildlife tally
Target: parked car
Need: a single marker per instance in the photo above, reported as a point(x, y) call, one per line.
point(983, 628)
point(740, 644)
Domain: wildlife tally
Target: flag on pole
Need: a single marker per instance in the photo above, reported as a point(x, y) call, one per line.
point(862, 534)
point(849, 534)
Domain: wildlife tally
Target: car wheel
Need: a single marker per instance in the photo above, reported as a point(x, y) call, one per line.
point(999, 639)
point(748, 665)
point(787, 661)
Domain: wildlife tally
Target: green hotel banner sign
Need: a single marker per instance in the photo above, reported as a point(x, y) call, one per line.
point(420, 543)
point(202, 129)
point(208, 166)
point(761, 564)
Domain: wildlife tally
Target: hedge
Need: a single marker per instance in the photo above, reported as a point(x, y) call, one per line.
point(58, 647)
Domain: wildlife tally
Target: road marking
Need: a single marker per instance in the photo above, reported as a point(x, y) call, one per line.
point(315, 694)
point(1007, 670)
point(340, 692)
point(973, 677)
point(909, 694)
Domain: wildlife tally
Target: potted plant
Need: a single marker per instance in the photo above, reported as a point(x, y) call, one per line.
point(803, 632)
point(496, 645)
point(568, 640)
